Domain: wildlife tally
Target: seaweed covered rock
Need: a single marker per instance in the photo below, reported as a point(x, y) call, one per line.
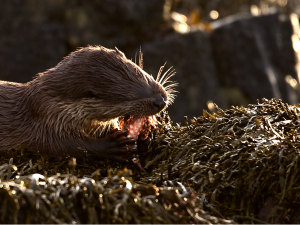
point(243, 162)
point(65, 198)
point(233, 166)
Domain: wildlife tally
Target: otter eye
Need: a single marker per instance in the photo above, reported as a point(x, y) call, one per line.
point(90, 94)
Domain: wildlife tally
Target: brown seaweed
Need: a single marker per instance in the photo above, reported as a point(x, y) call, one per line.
point(233, 166)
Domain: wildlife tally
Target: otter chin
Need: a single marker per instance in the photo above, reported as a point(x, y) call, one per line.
point(74, 108)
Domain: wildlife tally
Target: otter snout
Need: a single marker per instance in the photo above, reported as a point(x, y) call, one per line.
point(159, 103)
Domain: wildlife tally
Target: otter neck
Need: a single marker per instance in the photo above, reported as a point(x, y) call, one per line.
point(55, 111)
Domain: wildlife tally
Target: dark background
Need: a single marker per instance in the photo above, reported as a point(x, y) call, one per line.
point(224, 51)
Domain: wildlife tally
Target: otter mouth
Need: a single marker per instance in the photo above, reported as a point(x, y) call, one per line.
point(138, 127)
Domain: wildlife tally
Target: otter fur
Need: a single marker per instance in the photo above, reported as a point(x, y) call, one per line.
point(65, 109)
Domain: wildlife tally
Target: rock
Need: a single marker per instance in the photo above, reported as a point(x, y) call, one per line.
point(36, 35)
point(190, 56)
point(136, 21)
point(248, 53)
point(28, 46)
point(287, 57)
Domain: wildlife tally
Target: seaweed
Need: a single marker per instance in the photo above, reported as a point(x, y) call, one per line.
point(239, 165)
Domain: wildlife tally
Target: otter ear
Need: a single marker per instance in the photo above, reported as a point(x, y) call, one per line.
point(121, 53)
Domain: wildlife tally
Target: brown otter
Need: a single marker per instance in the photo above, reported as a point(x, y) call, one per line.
point(65, 109)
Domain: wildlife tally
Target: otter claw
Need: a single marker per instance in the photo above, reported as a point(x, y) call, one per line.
point(126, 142)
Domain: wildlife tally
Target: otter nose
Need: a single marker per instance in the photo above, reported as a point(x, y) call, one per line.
point(159, 103)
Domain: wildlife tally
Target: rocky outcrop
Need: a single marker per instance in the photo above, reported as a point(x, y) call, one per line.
point(253, 55)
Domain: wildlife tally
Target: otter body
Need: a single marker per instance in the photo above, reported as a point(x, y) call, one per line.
point(66, 108)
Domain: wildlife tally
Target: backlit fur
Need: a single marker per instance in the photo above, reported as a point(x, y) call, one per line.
point(70, 104)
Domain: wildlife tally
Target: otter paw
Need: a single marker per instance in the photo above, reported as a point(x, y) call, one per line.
point(117, 146)
point(143, 145)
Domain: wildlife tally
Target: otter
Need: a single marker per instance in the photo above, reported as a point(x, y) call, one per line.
point(66, 109)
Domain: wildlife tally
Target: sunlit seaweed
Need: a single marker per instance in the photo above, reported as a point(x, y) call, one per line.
point(234, 166)
point(243, 162)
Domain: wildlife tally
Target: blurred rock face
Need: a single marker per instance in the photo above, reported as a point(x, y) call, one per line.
point(227, 8)
point(243, 58)
point(254, 55)
point(36, 35)
point(233, 61)
point(28, 45)
point(116, 23)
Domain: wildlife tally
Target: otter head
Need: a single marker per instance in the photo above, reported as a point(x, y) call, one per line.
point(96, 83)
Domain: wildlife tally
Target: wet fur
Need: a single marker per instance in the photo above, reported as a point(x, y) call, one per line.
point(68, 106)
